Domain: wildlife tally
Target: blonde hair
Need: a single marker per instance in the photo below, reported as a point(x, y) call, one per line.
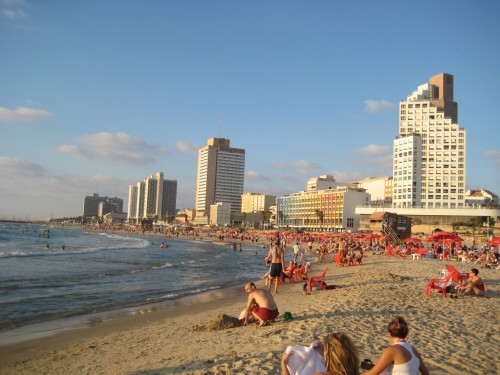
point(341, 355)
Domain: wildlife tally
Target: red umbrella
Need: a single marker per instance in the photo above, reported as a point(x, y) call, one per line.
point(495, 241)
point(413, 239)
point(442, 236)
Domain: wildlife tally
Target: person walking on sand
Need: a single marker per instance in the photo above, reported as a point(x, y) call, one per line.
point(277, 258)
point(260, 305)
point(401, 357)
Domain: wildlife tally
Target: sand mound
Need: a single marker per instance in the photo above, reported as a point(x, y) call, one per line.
point(391, 276)
point(222, 321)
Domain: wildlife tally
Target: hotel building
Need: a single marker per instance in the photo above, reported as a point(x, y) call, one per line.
point(220, 177)
point(331, 210)
point(154, 197)
point(429, 164)
point(430, 150)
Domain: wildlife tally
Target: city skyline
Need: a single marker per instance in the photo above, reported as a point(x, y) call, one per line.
point(96, 96)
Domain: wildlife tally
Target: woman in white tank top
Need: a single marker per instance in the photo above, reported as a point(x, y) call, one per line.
point(400, 358)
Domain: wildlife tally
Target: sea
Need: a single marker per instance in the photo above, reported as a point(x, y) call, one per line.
point(45, 287)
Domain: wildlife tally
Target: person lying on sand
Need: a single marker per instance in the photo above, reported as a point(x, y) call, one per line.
point(260, 306)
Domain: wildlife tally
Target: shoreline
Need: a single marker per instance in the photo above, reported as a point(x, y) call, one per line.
point(163, 342)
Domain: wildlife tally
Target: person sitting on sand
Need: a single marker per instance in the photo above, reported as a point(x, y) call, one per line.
point(340, 356)
point(260, 306)
point(474, 285)
point(401, 357)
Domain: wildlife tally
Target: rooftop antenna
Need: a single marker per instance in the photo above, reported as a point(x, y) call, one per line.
point(220, 128)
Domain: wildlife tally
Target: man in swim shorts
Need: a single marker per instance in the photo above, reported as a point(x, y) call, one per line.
point(277, 258)
point(260, 305)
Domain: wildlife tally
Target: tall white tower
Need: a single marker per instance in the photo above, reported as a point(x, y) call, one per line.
point(430, 151)
point(221, 175)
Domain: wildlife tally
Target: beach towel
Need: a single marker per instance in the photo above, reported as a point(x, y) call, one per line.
point(305, 360)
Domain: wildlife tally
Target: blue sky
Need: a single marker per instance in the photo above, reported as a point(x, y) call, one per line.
point(97, 95)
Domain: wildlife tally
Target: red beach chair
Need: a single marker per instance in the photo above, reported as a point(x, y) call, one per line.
point(459, 277)
point(439, 285)
point(317, 280)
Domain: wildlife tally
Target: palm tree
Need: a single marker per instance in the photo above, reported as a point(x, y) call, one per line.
point(265, 216)
point(320, 215)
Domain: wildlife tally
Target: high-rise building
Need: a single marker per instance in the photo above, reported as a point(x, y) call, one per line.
point(430, 151)
point(220, 177)
point(91, 205)
point(154, 197)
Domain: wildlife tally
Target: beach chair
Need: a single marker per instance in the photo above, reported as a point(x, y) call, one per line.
point(458, 277)
point(390, 251)
point(317, 280)
point(439, 285)
point(289, 274)
point(402, 254)
point(300, 273)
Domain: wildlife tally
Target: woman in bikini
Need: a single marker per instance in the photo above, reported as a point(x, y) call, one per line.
point(474, 285)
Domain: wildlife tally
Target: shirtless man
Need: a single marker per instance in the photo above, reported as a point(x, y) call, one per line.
point(260, 305)
point(277, 257)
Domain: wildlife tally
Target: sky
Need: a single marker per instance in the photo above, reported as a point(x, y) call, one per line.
point(97, 95)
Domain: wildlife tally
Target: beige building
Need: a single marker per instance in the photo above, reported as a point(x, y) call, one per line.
point(220, 177)
point(379, 188)
point(154, 197)
point(254, 202)
point(324, 182)
point(428, 129)
point(220, 214)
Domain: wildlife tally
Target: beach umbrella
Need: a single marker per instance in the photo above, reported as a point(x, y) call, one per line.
point(372, 235)
point(442, 236)
point(495, 241)
point(412, 239)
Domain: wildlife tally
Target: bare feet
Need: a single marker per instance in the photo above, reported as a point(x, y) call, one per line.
point(263, 323)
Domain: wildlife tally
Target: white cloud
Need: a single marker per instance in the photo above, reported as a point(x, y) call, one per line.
point(493, 156)
point(377, 164)
point(255, 176)
point(12, 166)
point(378, 105)
point(299, 164)
point(13, 14)
point(74, 151)
point(302, 166)
point(118, 147)
point(188, 148)
point(346, 177)
point(373, 150)
point(22, 114)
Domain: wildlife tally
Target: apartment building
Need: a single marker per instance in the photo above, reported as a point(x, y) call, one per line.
point(154, 197)
point(220, 176)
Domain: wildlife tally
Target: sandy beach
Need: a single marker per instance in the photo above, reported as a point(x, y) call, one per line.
point(455, 336)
